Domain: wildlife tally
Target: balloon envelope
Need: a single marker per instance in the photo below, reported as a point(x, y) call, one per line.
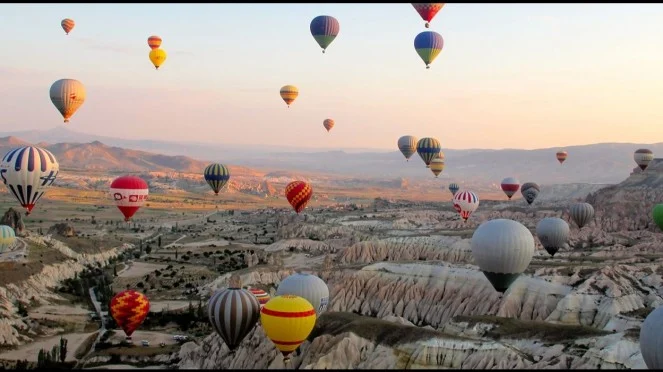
point(129, 309)
point(428, 45)
point(427, 11)
point(298, 194)
point(553, 233)
point(530, 191)
point(289, 93)
point(643, 157)
point(561, 156)
point(308, 286)
point(216, 175)
point(428, 149)
point(582, 213)
point(67, 95)
point(233, 312)
point(7, 238)
point(158, 57)
point(154, 42)
point(324, 29)
point(465, 203)
point(408, 146)
point(287, 321)
point(67, 25)
point(328, 124)
point(510, 186)
point(129, 193)
point(437, 166)
point(453, 187)
point(651, 339)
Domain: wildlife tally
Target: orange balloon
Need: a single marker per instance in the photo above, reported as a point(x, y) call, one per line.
point(298, 194)
point(154, 42)
point(129, 309)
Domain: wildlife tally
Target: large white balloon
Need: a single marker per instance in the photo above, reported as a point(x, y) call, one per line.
point(553, 233)
point(651, 339)
point(308, 286)
point(503, 249)
point(28, 172)
point(68, 96)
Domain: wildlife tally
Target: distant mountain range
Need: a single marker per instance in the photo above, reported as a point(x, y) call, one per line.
point(596, 163)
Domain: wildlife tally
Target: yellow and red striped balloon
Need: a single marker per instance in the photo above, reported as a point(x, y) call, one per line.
point(67, 25)
point(129, 309)
point(287, 320)
point(298, 194)
point(328, 124)
point(154, 42)
point(262, 296)
point(289, 93)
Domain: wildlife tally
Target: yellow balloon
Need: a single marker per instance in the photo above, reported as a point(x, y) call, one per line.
point(158, 57)
point(287, 320)
point(289, 93)
point(437, 166)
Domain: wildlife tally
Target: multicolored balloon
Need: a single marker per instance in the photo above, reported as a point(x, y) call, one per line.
point(233, 312)
point(530, 191)
point(289, 94)
point(428, 45)
point(158, 57)
point(453, 187)
point(216, 175)
point(427, 11)
point(428, 149)
point(287, 321)
point(437, 166)
point(28, 172)
point(298, 194)
point(465, 202)
point(7, 238)
point(129, 309)
point(643, 157)
point(129, 193)
point(408, 146)
point(262, 296)
point(324, 29)
point(68, 95)
point(67, 25)
point(154, 42)
point(328, 124)
point(510, 185)
point(561, 156)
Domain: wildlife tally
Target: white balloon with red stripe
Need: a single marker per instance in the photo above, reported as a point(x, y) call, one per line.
point(465, 202)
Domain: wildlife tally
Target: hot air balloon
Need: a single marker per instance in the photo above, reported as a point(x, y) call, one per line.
point(428, 149)
point(553, 233)
point(289, 93)
point(154, 42)
point(503, 249)
point(287, 320)
point(309, 287)
point(530, 191)
point(7, 238)
point(427, 11)
point(428, 45)
point(233, 312)
point(437, 166)
point(408, 146)
point(643, 157)
point(216, 176)
point(561, 156)
point(453, 187)
point(28, 172)
point(67, 25)
point(298, 194)
point(129, 309)
point(260, 295)
point(510, 185)
point(465, 202)
point(68, 95)
point(657, 213)
point(158, 57)
point(328, 124)
point(129, 193)
point(651, 339)
point(582, 213)
point(324, 30)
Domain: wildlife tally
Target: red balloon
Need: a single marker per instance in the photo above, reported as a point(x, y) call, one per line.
point(129, 193)
point(561, 156)
point(129, 309)
point(427, 11)
point(298, 194)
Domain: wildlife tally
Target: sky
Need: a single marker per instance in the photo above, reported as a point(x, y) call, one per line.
point(510, 75)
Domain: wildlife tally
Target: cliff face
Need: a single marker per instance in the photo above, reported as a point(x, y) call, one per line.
point(39, 287)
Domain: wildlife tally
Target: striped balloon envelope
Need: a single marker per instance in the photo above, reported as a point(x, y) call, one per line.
point(428, 45)
point(324, 29)
point(561, 156)
point(428, 149)
point(262, 296)
point(287, 320)
point(328, 124)
point(427, 11)
point(7, 238)
point(67, 25)
point(510, 185)
point(453, 187)
point(233, 312)
point(289, 93)
point(129, 193)
point(298, 194)
point(67, 95)
point(154, 42)
point(465, 202)
point(216, 176)
point(129, 309)
point(437, 166)
point(28, 172)
point(408, 146)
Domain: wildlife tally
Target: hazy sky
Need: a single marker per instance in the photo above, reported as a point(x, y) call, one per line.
point(510, 75)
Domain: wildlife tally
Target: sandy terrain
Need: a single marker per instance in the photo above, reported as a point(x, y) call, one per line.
point(153, 337)
point(301, 261)
point(30, 351)
point(125, 366)
point(60, 313)
point(157, 306)
point(139, 269)
point(218, 243)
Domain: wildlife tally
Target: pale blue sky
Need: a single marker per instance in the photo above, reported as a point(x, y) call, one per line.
point(510, 75)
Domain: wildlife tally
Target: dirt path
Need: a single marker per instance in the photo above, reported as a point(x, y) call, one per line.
point(30, 351)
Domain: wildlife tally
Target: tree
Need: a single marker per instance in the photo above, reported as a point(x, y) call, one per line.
point(63, 349)
point(148, 249)
point(175, 253)
point(115, 270)
point(159, 241)
point(200, 313)
point(22, 311)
